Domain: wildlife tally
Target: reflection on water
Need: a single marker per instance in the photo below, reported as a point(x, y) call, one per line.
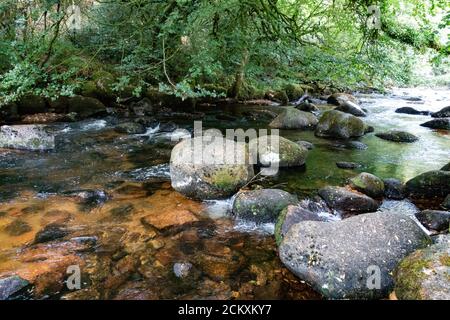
point(114, 190)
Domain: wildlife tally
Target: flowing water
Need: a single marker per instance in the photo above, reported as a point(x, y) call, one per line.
point(108, 191)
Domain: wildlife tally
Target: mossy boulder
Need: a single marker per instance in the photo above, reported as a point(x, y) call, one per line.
point(429, 184)
point(292, 118)
point(425, 274)
point(397, 136)
point(201, 169)
point(307, 107)
point(337, 124)
point(351, 108)
point(293, 91)
point(368, 184)
point(291, 215)
point(262, 205)
point(104, 82)
point(271, 150)
point(85, 107)
point(339, 98)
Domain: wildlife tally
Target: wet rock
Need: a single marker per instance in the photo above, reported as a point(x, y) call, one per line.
point(429, 184)
point(307, 107)
point(292, 118)
point(85, 107)
point(446, 203)
point(410, 110)
point(147, 122)
point(446, 167)
point(434, 219)
point(170, 219)
point(262, 205)
point(357, 145)
point(286, 152)
point(337, 124)
point(443, 113)
point(368, 184)
point(182, 269)
point(424, 274)
point(11, 285)
point(347, 165)
point(167, 127)
point(123, 210)
point(50, 233)
point(17, 228)
point(305, 144)
point(397, 136)
point(342, 199)
point(87, 198)
point(291, 215)
point(221, 264)
point(338, 258)
point(339, 98)
point(212, 177)
point(27, 137)
point(130, 128)
point(142, 107)
point(440, 123)
point(394, 189)
point(351, 108)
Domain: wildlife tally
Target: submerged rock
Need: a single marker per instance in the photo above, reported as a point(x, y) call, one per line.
point(130, 128)
point(292, 118)
point(11, 285)
point(441, 123)
point(50, 232)
point(339, 98)
point(410, 110)
point(443, 113)
point(28, 137)
point(87, 198)
point(342, 199)
point(305, 144)
point(262, 205)
point(208, 175)
point(358, 145)
point(351, 108)
point(394, 189)
point(339, 259)
point(429, 184)
point(337, 124)
point(286, 152)
point(347, 165)
point(397, 136)
point(424, 274)
point(368, 184)
point(17, 228)
point(435, 219)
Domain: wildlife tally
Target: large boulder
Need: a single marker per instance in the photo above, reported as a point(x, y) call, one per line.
point(429, 184)
point(397, 136)
point(440, 123)
point(354, 257)
point(424, 274)
point(201, 169)
point(352, 108)
point(337, 124)
point(286, 152)
point(368, 184)
point(85, 107)
point(339, 98)
point(345, 200)
point(292, 118)
point(27, 137)
point(443, 113)
point(31, 104)
point(434, 219)
point(262, 205)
